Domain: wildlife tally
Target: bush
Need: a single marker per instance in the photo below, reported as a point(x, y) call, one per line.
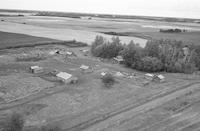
point(150, 64)
point(14, 123)
point(108, 80)
point(99, 40)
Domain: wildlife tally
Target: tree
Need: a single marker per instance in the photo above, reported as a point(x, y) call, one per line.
point(99, 40)
point(152, 48)
point(151, 64)
point(108, 80)
point(106, 49)
point(132, 54)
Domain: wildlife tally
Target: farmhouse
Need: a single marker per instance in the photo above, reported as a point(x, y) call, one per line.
point(36, 69)
point(119, 59)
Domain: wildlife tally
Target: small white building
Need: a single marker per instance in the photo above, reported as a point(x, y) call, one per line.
point(84, 67)
point(119, 74)
point(69, 53)
point(149, 76)
point(53, 52)
point(160, 78)
point(119, 59)
point(103, 73)
point(36, 69)
point(65, 77)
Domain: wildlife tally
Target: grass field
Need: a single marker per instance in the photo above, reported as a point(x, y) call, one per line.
point(131, 104)
point(14, 39)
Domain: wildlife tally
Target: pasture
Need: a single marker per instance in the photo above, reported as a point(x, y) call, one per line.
point(133, 103)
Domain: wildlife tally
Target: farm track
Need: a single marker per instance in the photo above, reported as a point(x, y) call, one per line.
point(34, 97)
point(96, 120)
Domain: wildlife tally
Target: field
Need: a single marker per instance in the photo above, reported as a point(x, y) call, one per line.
point(133, 103)
point(13, 40)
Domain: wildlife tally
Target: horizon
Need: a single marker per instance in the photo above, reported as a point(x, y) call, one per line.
point(152, 8)
point(97, 13)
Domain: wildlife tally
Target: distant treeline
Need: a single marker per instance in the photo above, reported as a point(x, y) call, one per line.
point(172, 30)
point(158, 55)
point(70, 15)
point(72, 43)
point(127, 34)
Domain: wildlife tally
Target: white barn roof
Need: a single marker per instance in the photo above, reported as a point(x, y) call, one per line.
point(35, 67)
point(149, 75)
point(161, 77)
point(64, 75)
point(84, 67)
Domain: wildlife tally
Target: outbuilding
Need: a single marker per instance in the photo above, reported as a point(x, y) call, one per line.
point(119, 59)
point(65, 77)
point(149, 76)
point(36, 69)
point(84, 67)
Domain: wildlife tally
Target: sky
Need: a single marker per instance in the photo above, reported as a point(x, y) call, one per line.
point(168, 8)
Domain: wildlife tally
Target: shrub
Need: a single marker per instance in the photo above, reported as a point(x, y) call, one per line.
point(108, 80)
point(150, 64)
point(14, 123)
point(99, 40)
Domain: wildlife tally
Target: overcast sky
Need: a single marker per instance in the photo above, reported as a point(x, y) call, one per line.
point(171, 8)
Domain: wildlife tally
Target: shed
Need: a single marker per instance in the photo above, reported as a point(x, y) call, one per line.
point(103, 73)
point(149, 76)
point(85, 52)
point(119, 59)
point(84, 67)
point(69, 53)
point(53, 52)
point(161, 77)
point(36, 69)
point(65, 77)
point(158, 78)
point(119, 74)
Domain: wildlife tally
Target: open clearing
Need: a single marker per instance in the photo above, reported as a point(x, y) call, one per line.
point(129, 105)
point(89, 105)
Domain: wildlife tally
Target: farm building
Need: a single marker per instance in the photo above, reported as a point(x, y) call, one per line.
point(53, 52)
point(119, 74)
point(158, 78)
point(84, 67)
point(64, 76)
point(67, 78)
point(85, 52)
point(36, 69)
point(119, 59)
point(69, 53)
point(103, 73)
point(149, 76)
